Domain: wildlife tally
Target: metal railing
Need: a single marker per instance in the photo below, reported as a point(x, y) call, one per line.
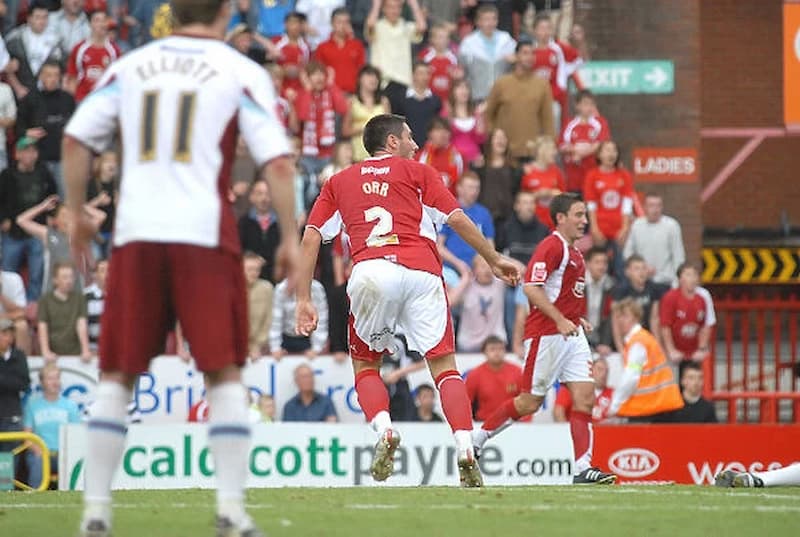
point(26, 438)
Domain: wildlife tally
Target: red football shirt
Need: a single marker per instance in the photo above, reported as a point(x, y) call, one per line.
point(88, 62)
point(536, 180)
point(578, 132)
point(610, 195)
point(441, 65)
point(488, 388)
point(446, 160)
point(346, 61)
point(291, 54)
point(559, 268)
point(556, 63)
point(389, 206)
point(684, 316)
point(602, 402)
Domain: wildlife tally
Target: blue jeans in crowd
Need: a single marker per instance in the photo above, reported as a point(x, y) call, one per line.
point(35, 467)
point(31, 249)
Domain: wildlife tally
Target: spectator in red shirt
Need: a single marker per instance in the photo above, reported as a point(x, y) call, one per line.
point(316, 109)
point(292, 53)
point(443, 61)
point(90, 57)
point(556, 62)
point(580, 140)
point(440, 153)
point(495, 381)
point(608, 192)
point(687, 318)
point(602, 396)
point(544, 179)
point(342, 52)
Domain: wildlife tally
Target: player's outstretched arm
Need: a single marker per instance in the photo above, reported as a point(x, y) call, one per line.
point(503, 267)
point(306, 316)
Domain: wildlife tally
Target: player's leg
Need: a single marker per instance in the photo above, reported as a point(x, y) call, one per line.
point(787, 476)
point(133, 331)
point(209, 294)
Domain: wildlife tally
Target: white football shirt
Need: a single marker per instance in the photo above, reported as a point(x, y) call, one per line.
point(179, 104)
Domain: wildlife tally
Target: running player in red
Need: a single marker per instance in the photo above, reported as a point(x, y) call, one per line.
point(555, 341)
point(91, 57)
point(179, 103)
point(390, 206)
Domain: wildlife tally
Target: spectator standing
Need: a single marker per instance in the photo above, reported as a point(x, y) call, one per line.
point(580, 139)
point(608, 192)
point(12, 307)
point(443, 61)
point(367, 103)
point(102, 193)
point(342, 158)
point(687, 318)
point(390, 39)
point(343, 53)
point(259, 230)
point(602, 396)
point(696, 409)
point(455, 251)
point(499, 178)
point(466, 123)
point(266, 407)
point(440, 153)
point(647, 392)
point(523, 229)
point(424, 401)
point(359, 12)
point(316, 109)
point(338, 301)
point(89, 59)
point(308, 405)
point(44, 415)
point(146, 17)
point(43, 114)
point(8, 117)
point(486, 53)
point(14, 381)
point(494, 381)
point(63, 329)
point(259, 304)
point(598, 288)
point(520, 103)
point(644, 291)
point(292, 54)
point(444, 12)
point(283, 339)
point(419, 105)
point(482, 308)
point(32, 46)
point(22, 186)
point(70, 24)
point(658, 239)
point(271, 16)
point(543, 178)
point(95, 295)
point(319, 14)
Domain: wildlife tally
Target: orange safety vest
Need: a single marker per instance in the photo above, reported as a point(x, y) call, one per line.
point(657, 391)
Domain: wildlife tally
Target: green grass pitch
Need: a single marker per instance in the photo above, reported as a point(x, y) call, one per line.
point(596, 511)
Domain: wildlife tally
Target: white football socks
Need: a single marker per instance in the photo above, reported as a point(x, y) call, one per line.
point(229, 442)
point(381, 422)
point(786, 476)
point(463, 443)
point(105, 445)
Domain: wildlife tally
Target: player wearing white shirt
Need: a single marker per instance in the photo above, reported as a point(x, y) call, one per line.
point(178, 104)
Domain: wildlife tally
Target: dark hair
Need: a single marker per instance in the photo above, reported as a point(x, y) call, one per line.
point(523, 42)
point(195, 11)
point(584, 94)
point(562, 203)
point(378, 129)
point(600, 148)
point(439, 122)
point(417, 64)
point(685, 265)
point(50, 63)
point(339, 11)
point(593, 251)
point(540, 18)
point(301, 17)
point(634, 258)
point(369, 70)
point(60, 265)
point(315, 67)
point(93, 12)
point(486, 8)
point(687, 365)
point(492, 340)
point(37, 4)
point(451, 98)
point(423, 387)
point(651, 194)
point(487, 147)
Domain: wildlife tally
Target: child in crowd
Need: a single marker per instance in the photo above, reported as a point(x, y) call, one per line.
point(292, 53)
point(543, 178)
point(580, 140)
point(443, 61)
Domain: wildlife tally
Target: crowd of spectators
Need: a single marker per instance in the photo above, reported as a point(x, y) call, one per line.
point(485, 86)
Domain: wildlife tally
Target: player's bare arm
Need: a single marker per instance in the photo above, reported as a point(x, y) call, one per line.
point(306, 316)
point(279, 174)
point(77, 165)
point(503, 267)
point(538, 298)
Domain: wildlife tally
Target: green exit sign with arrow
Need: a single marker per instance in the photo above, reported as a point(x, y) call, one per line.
point(629, 77)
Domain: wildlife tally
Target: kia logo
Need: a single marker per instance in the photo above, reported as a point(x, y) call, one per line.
point(634, 462)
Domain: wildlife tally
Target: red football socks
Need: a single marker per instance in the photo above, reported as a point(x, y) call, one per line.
point(506, 411)
point(455, 401)
point(372, 394)
point(580, 428)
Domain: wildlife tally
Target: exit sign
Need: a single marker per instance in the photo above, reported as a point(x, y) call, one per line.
point(629, 77)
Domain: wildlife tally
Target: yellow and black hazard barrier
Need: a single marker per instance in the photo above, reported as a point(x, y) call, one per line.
point(751, 265)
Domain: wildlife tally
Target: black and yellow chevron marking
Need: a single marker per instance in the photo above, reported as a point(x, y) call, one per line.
point(751, 265)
